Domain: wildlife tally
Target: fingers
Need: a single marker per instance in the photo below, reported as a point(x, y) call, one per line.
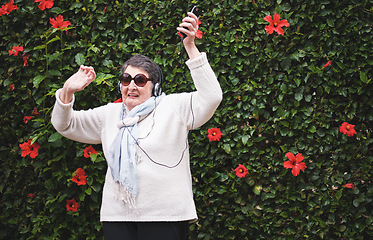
point(189, 22)
point(192, 15)
point(91, 75)
point(191, 19)
point(85, 68)
point(89, 71)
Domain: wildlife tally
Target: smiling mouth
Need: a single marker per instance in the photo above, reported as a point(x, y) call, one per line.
point(132, 95)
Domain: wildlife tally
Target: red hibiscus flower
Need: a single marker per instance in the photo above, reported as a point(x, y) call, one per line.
point(295, 162)
point(24, 58)
point(45, 4)
point(7, 8)
point(80, 178)
point(119, 100)
point(27, 149)
point(328, 64)
point(34, 112)
point(350, 185)
point(275, 24)
point(241, 171)
point(59, 23)
point(72, 205)
point(199, 34)
point(88, 151)
point(11, 87)
point(26, 119)
point(31, 195)
point(15, 50)
point(214, 134)
point(348, 129)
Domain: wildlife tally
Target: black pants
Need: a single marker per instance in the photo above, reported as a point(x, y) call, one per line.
point(146, 230)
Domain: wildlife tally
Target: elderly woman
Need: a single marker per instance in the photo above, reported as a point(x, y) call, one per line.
point(148, 186)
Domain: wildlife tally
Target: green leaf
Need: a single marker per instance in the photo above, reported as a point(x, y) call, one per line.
point(298, 96)
point(312, 129)
point(37, 80)
point(54, 137)
point(53, 40)
point(338, 195)
point(257, 189)
point(79, 59)
point(40, 47)
point(363, 77)
point(245, 138)
point(101, 77)
point(297, 81)
point(227, 148)
point(94, 49)
point(88, 191)
point(93, 157)
point(330, 22)
point(55, 73)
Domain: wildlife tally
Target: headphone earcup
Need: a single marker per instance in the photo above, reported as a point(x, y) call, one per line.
point(157, 90)
point(119, 87)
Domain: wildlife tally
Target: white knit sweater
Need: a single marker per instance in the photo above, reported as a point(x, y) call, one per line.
point(164, 193)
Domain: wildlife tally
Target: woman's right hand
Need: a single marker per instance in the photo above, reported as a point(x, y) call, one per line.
point(77, 82)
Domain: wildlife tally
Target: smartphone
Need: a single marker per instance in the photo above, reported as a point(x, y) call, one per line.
point(196, 12)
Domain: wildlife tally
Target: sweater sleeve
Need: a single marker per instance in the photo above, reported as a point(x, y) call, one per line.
point(82, 126)
point(208, 96)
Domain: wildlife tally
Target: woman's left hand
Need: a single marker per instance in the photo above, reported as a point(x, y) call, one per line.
point(189, 26)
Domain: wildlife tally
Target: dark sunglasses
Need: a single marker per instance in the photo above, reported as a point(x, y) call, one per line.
point(140, 79)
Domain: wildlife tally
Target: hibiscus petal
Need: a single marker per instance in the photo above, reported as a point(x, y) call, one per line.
point(301, 166)
point(298, 158)
point(269, 19)
point(295, 171)
point(49, 4)
point(288, 164)
point(269, 29)
point(279, 30)
point(42, 6)
point(199, 34)
point(276, 18)
point(65, 24)
point(53, 22)
point(291, 156)
point(33, 154)
point(283, 23)
point(24, 153)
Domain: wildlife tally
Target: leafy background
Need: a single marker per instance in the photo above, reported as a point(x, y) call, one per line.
point(278, 98)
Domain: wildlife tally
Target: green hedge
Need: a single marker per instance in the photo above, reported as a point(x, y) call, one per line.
point(278, 98)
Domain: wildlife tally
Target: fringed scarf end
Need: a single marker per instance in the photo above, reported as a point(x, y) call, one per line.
point(125, 196)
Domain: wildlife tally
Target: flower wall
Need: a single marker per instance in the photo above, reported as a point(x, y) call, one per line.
point(287, 155)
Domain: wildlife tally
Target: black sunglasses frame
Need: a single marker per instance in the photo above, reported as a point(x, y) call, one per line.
point(137, 79)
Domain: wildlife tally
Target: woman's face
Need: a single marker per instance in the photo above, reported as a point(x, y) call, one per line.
point(134, 95)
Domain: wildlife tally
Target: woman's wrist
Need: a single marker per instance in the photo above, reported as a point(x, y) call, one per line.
point(66, 96)
point(192, 50)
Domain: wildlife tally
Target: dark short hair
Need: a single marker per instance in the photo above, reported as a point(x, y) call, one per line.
point(145, 63)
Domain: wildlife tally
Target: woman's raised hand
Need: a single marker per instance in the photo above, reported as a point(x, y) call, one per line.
point(77, 82)
point(189, 26)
